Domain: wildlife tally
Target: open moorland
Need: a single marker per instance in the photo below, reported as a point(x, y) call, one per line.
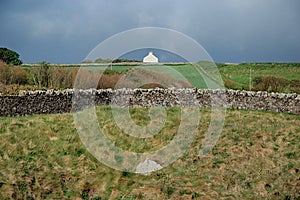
point(256, 157)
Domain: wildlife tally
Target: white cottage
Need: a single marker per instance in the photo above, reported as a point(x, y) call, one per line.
point(150, 58)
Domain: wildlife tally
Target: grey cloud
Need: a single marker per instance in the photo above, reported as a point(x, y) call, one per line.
point(231, 30)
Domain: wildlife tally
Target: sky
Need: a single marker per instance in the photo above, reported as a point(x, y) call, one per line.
point(65, 31)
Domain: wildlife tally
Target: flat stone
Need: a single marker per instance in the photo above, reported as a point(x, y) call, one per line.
point(147, 167)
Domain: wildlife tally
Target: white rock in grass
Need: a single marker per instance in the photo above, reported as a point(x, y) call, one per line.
point(147, 167)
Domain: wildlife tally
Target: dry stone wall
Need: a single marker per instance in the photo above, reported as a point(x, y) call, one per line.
point(45, 102)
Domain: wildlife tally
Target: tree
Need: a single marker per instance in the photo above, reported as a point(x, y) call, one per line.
point(9, 56)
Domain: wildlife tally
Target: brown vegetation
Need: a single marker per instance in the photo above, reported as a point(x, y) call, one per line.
point(134, 78)
point(45, 76)
point(228, 83)
point(12, 74)
point(275, 84)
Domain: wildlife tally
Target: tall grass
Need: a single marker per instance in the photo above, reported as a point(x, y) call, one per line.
point(257, 157)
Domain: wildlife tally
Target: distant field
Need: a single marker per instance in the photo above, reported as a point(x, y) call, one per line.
point(257, 157)
point(238, 74)
point(272, 77)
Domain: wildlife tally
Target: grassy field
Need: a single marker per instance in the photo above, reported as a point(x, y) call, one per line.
point(271, 77)
point(256, 157)
point(235, 76)
point(240, 74)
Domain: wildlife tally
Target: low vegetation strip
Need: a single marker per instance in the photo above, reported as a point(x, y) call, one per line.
point(256, 157)
point(271, 77)
point(46, 102)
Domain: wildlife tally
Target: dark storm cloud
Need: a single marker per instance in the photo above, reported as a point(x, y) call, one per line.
point(61, 31)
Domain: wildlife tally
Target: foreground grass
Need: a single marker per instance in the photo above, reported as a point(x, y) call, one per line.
point(257, 157)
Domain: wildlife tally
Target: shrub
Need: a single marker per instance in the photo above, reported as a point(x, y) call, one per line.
point(19, 75)
point(62, 77)
point(86, 79)
point(5, 73)
point(108, 81)
point(12, 74)
point(270, 84)
point(229, 83)
point(295, 86)
point(48, 76)
point(40, 74)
